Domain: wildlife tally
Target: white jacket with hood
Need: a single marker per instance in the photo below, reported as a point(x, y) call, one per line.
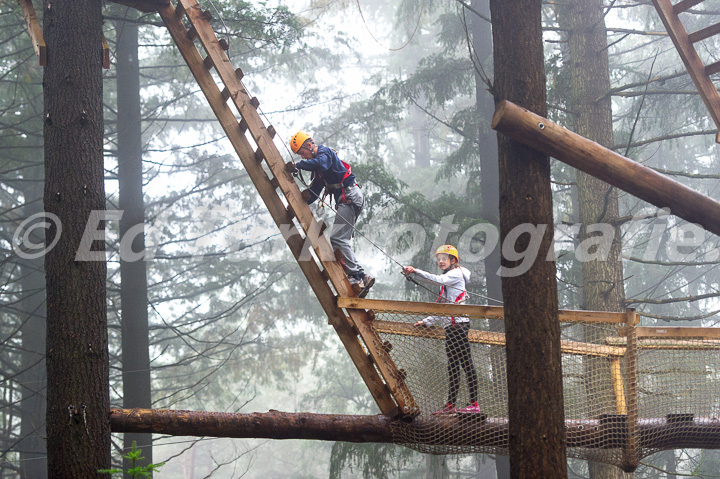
point(453, 285)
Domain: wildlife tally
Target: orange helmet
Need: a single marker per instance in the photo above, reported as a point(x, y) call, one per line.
point(449, 250)
point(298, 139)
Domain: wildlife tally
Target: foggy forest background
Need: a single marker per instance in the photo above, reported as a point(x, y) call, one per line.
point(400, 89)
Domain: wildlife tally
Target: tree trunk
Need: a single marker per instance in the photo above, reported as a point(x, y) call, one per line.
point(488, 185)
point(78, 426)
point(534, 366)
point(602, 283)
point(133, 278)
point(33, 462)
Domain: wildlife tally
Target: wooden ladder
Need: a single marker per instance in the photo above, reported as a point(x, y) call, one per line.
point(684, 43)
point(253, 143)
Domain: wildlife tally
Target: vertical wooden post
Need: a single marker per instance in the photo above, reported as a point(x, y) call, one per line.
point(630, 459)
point(618, 388)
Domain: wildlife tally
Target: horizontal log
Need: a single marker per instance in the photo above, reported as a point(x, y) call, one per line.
point(469, 310)
point(492, 338)
point(628, 175)
point(654, 433)
point(270, 425)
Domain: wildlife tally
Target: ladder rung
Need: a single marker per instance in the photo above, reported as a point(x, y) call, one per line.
point(259, 156)
point(291, 211)
point(207, 15)
point(684, 5)
point(192, 33)
point(243, 125)
point(271, 131)
point(226, 93)
point(275, 183)
point(208, 62)
point(255, 102)
point(712, 69)
point(239, 73)
point(704, 33)
point(179, 11)
point(224, 44)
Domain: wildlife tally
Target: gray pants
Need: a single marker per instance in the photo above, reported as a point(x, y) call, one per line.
point(342, 230)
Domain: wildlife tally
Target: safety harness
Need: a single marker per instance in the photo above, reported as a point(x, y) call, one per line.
point(459, 299)
point(330, 187)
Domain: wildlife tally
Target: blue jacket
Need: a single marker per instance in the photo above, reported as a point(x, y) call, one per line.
point(327, 169)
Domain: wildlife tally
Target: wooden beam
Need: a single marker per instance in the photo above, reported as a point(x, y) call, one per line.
point(416, 307)
point(270, 425)
point(594, 159)
point(34, 30)
point(660, 344)
point(469, 310)
point(678, 332)
point(493, 338)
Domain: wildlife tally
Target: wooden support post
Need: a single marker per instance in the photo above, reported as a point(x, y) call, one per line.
point(628, 175)
point(34, 30)
point(617, 383)
point(630, 459)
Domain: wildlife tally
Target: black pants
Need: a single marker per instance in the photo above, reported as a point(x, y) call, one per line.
point(457, 348)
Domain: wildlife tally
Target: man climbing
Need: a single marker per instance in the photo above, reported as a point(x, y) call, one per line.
point(453, 289)
point(336, 177)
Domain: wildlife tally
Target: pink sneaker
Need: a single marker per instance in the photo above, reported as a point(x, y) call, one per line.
point(448, 409)
point(473, 408)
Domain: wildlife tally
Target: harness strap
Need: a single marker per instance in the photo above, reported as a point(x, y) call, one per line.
point(460, 298)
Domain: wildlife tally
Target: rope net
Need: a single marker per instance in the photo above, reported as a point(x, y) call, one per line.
point(625, 396)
